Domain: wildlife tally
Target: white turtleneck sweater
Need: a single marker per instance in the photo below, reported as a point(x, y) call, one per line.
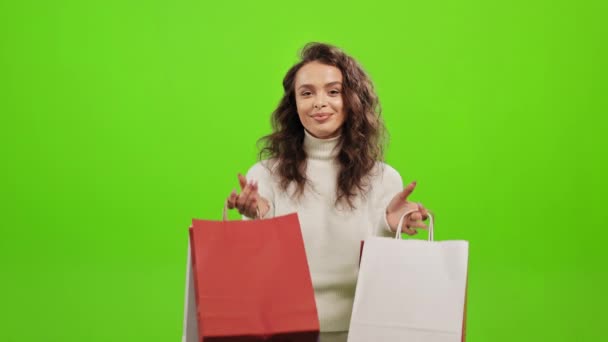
point(332, 235)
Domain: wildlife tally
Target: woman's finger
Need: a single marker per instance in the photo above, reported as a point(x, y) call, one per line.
point(409, 231)
point(408, 190)
point(423, 211)
point(251, 203)
point(252, 210)
point(417, 224)
point(242, 181)
point(231, 201)
point(415, 216)
point(244, 196)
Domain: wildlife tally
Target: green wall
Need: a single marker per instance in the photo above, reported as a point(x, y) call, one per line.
point(122, 120)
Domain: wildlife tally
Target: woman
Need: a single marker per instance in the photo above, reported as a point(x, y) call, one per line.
point(323, 161)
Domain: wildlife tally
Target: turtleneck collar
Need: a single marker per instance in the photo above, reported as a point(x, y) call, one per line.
point(320, 148)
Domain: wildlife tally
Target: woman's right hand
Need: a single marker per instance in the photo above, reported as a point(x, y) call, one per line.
point(249, 201)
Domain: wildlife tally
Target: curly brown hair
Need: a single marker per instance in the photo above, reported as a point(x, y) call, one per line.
point(362, 137)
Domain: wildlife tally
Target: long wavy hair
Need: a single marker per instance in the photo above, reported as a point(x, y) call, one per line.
point(362, 137)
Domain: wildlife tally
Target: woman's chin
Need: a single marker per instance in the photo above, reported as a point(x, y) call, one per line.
point(325, 134)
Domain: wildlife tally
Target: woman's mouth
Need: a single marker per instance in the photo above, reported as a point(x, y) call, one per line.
point(321, 117)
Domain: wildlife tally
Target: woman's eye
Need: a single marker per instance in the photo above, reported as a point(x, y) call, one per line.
point(334, 92)
point(306, 93)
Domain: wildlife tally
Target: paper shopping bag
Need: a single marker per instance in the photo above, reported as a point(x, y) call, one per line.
point(249, 281)
point(410, 290)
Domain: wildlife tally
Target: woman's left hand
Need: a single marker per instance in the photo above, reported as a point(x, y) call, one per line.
point(399, 204)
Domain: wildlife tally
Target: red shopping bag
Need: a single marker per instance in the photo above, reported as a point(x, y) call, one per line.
point(251, 282)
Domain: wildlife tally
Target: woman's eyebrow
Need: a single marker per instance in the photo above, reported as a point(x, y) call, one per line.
point(326, 85)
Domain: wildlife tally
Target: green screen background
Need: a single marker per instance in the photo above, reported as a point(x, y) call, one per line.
point(122, 120)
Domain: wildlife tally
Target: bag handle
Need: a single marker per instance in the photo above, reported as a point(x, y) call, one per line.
point(402, 219)
point(225, 212)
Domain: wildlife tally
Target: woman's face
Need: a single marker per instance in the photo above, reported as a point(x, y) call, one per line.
point(318, 90)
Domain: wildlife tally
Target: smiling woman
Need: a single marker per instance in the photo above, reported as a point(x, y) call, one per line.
point(323, 160)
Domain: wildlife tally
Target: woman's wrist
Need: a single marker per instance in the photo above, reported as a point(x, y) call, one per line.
point(263, 207)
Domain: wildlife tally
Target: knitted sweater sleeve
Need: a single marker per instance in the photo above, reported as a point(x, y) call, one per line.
point(390, 184)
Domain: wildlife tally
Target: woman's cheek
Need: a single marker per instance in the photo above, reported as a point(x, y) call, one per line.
point(337, 104)
point(303, 106)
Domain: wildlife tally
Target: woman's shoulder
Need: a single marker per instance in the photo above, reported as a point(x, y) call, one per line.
point(385, 170)
point(386, 174)
point(263, 168)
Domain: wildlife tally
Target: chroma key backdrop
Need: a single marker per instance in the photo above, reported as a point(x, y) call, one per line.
point(121, 121)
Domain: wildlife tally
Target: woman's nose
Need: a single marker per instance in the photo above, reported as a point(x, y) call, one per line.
point(320, 102)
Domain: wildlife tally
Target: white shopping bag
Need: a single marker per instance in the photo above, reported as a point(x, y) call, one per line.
point(410, 290)
point(190, 331)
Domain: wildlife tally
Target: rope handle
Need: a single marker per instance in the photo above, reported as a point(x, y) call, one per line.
point(402, 219)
